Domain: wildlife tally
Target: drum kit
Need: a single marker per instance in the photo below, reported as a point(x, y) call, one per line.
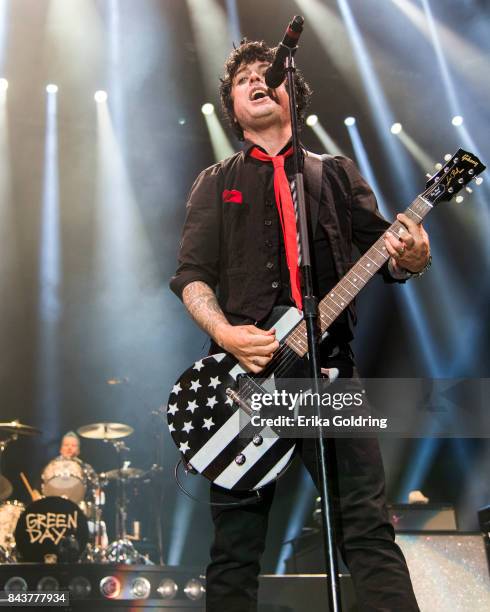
point(65, 523)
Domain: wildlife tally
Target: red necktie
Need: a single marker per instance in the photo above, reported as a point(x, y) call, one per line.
point(287, 215)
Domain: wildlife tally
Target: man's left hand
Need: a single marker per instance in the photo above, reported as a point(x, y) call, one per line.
point(411, 249)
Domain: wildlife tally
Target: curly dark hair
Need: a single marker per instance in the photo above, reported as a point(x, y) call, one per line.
point(247, 53)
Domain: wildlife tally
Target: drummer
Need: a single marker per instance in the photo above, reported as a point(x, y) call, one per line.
point(70, 449)
point(70, 445)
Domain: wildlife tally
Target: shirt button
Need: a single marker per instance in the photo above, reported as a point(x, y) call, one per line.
point(269, 265)
point(275, 285)
point(268, 243)
point(267, 222)
point(268, 203)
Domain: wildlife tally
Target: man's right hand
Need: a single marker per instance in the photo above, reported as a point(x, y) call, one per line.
point(253, 347)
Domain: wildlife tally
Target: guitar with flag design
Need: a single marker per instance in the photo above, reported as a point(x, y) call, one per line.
point(209, 412)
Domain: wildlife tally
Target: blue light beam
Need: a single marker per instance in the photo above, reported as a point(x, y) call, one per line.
point(300, 507)
point(50, 277)
point(408, 297)
point(380, 111)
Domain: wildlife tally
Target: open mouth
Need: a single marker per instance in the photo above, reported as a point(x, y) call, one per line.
point(259, 94)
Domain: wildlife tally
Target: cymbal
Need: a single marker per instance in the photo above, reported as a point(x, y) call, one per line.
point(16, 427)
point(129, 472)
point(105, 431)
point(5, 488)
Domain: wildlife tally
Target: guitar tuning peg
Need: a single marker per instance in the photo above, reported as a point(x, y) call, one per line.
point(428, 175)
point(478, 180)
point(469, 189)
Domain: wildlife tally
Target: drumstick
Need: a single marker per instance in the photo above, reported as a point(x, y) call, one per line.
point(27, 485)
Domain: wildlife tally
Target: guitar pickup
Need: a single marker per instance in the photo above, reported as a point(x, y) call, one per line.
point(235, 397)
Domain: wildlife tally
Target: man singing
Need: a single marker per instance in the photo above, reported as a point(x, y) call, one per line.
point(234, 267)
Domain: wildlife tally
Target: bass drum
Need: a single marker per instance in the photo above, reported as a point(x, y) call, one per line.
point(66, 478)
point(52, 529)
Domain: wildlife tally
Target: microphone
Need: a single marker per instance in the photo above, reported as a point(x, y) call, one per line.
point(274, 75)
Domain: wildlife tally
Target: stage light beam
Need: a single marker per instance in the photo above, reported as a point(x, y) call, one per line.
point(213, 36)
point(50, 278)
point(420, 156)
point(305, 492)
point(332, 36)
point(321, 133)
point(207, 108)
point(9, 239)
point(381, 113)
point(406, 293)
point(461, 52)
point(100, 96)
point(233, 21)
point(123, 259)
point(4, 29)
point(222, 147)
point(311, 120)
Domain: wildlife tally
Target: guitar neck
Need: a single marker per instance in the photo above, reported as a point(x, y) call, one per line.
point(337, 300)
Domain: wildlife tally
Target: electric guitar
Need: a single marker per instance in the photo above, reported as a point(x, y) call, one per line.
point(209, 412)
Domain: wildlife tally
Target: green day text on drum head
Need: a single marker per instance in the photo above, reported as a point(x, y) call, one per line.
point(51, 526)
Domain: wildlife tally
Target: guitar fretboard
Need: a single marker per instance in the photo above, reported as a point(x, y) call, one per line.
point(337, 300)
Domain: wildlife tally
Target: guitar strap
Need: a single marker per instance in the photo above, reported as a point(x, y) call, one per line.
point(313, 172)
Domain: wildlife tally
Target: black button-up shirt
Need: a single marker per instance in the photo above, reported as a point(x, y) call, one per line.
point(229, 242)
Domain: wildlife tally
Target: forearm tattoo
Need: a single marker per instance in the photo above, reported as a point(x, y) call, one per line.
point(200, 300)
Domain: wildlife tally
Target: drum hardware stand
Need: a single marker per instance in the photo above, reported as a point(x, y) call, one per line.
point(4, 444)
point(122, 550)
point(95, 552)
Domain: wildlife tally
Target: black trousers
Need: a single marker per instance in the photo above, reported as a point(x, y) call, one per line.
point(364, 534)
point(366, 537)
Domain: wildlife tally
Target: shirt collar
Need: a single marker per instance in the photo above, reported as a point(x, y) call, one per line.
point(249, 145)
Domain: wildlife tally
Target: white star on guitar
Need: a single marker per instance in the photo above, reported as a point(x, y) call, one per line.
point(208, 423)
point(215, 381)
point(184, 447)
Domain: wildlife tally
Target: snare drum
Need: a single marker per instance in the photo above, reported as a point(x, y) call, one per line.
point(51, 526)
point(9, 515)
point(65, 478)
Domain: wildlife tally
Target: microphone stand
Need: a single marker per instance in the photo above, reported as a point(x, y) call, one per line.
point(310, 313)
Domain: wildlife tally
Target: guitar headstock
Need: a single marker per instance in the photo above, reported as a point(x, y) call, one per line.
point(462, 168)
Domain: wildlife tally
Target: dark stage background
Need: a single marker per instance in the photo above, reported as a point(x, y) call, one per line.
point(92, 202)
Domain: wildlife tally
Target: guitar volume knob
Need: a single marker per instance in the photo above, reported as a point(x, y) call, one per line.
point(240, 459)
point(257, 439)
